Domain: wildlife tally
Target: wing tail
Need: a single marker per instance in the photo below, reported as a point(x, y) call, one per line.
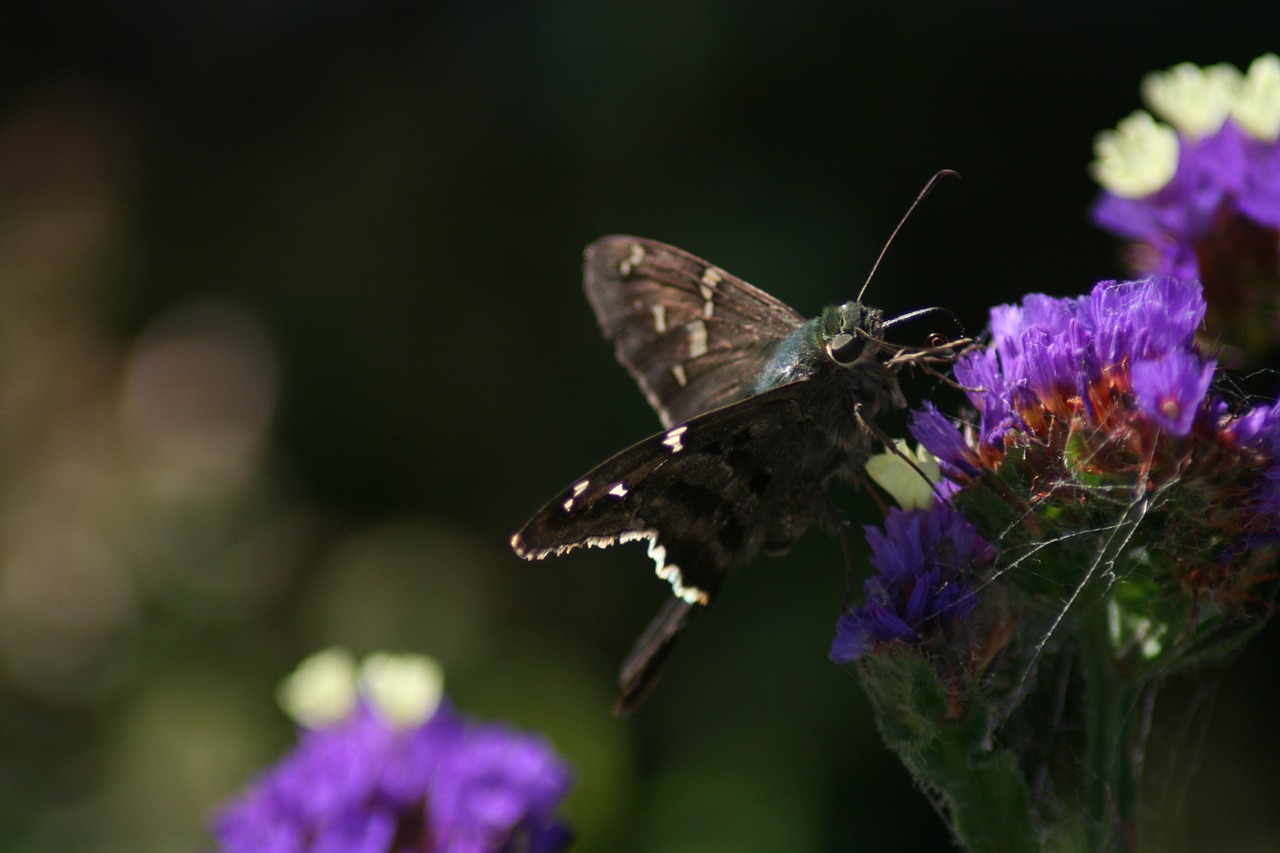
point(641, 668)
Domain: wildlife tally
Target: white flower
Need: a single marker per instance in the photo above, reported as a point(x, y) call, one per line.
point(405, 690)
point(322, 690)
point(1137, 158)
point(1194, 100)
point(1257, 104)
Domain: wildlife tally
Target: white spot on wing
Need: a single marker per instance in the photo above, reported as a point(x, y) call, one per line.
point(697, 338)
point(677, 370)
point(619, 490)
point(707, 288)
point(659, 318)
point(578, 489)
point(634, 259)
point(673, 439)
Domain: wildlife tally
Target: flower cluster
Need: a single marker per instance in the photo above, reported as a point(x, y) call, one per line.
point(1200, 196)
point(1108, 514)
point(1126, 352)
point(1095, 414)
point(928, 560)
point(388, 766)
point(1097, 433)
point(1105, 514)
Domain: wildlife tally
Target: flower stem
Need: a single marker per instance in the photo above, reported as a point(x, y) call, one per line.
point(947, 748)
point(1109, 787)
point(986, 797)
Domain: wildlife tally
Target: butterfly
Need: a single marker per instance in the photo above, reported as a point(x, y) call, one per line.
point(760, 407)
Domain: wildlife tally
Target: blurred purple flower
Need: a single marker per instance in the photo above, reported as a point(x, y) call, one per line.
point(363, 786)
point(1201, 199)
point(1221, 177)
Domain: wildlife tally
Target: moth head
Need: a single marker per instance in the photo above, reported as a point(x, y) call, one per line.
point(850, 333)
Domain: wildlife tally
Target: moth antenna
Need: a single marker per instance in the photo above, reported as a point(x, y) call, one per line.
point(928, 188)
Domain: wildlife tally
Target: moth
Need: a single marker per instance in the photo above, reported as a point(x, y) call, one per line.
point(760, 410)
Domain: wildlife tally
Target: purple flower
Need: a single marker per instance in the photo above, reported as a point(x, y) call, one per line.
point(1170, 389)
point(1142, 319)
point(928, 562)
point(363, 786)
point(981, 370)
point(1072, 361)
point(958, 461)
point(1257, 433)
point(493, 782)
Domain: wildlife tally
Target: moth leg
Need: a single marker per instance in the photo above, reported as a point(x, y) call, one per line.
point(891, 446)
point(947, 379)
point(841, 527)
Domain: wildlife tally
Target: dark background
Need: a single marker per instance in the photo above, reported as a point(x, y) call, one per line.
point(292, 338)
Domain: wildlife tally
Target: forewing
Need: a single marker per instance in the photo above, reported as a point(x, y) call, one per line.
point(696, 493)
point(694, 337)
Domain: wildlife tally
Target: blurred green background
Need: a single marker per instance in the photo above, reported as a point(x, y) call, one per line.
point(292, 339)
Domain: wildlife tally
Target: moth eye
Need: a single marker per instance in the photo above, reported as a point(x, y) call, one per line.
point(846, 348)
point(936, 339)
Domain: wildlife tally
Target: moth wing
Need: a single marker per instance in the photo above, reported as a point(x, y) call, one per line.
point(694, 337)
point(694, 492)
point(643, 663)
point(697, 493)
